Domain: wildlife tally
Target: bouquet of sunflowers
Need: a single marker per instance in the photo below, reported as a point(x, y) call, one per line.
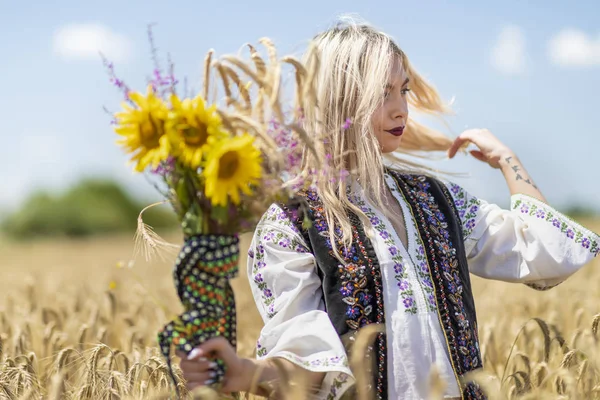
point(221, 166)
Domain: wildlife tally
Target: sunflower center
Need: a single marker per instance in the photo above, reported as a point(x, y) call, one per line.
point(228, 165)
point(150, 132)
point(195, 136)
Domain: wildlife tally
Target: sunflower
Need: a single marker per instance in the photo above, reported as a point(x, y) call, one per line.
point(233, 165)
point(143, 129)
point(192, 128)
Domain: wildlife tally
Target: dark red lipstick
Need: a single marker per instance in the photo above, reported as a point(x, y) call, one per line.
point(397, 131)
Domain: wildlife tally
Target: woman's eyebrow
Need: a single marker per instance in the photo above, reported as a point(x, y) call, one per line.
point(391, 86)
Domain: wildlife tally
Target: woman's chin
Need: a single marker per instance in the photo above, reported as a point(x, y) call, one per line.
point(391, 146)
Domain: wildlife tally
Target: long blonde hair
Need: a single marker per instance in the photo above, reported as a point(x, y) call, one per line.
point(354, 62)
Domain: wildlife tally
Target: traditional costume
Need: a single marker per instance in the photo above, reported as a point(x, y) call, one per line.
point(313, 305)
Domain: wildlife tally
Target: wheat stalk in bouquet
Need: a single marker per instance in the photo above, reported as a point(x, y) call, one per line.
point(222, 163)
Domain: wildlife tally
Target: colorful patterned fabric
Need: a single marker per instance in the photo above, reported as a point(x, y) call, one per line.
point(202, 272)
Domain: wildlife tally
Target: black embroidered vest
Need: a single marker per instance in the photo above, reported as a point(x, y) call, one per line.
point(353, 293)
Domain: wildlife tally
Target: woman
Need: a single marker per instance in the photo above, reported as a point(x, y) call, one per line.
point(390, 244)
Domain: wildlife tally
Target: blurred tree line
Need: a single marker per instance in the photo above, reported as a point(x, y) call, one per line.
point(91, 207)
point(94, 206)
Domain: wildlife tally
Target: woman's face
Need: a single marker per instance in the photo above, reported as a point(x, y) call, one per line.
point(389, 120)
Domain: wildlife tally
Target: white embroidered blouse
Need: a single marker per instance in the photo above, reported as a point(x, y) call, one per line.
point(532, 243)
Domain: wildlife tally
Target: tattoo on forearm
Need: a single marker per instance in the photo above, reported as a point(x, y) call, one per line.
point(518, 176)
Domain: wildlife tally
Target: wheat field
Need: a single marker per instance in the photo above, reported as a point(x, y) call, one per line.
point(78, 321)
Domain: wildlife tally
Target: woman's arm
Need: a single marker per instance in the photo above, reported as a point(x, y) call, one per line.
point(259, 377)
point(531, 243)
point(517, 178)
point(499, 156)
point(298, 337)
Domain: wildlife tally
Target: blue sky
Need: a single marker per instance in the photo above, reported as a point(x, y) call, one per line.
point(528, 71)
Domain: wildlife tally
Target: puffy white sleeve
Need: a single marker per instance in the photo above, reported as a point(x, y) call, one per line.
point(287, 291)
point(532, 243)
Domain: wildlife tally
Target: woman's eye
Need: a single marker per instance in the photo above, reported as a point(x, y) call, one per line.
point(405, 91)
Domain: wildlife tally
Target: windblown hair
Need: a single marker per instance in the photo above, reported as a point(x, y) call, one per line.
point(355, 61)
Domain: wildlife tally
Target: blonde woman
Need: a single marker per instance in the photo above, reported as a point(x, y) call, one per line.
point(391, 244)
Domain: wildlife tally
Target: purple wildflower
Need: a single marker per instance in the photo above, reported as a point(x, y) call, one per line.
point(586, 243)
point(258, 278)
point(556, 222)
point(471, 224)
point(261, 264)
point(268, 293)
point(347, 124)
point(570, 234)
point(408, 302)
point(393, 250)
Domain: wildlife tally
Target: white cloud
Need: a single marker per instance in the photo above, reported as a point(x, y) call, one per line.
point(85, 41)
point(508, 54)
point(573, 48)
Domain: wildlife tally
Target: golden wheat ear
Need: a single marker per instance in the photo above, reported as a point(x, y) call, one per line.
point(149, 242)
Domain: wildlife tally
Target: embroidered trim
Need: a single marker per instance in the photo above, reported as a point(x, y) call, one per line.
point(534, 208)
point(339, 386)
point(401, 274)
point(421, 266)
point(269, 234)
point(311, 363)
point(380, 341)
point(465, 346)
point(467, 207)
point(353, 285)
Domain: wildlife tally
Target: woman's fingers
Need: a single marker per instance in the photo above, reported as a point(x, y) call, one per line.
point(204, 379)
point(221, 349)
point(458, 143)
point(478, 155)
point(197, 366)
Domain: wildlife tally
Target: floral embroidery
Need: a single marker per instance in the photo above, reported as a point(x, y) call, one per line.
point(467, 208)
point(401, 273)
point(463, 345)
point(335, 361)
point(353, 280)
point(339, 382)
point(421, 266)
point(271, 234)
point(587, 239)
point(278, 216)
point(330, 362)
point(261, 351)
